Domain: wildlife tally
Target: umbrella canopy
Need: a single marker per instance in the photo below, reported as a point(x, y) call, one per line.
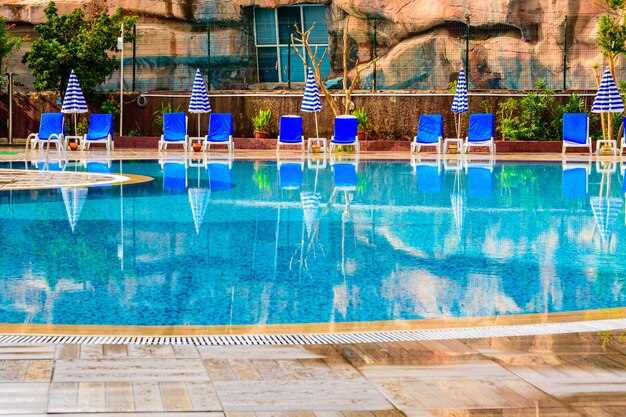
point(74, 199)
point(459, 103)
point(608, 99)
point(311, 99)
point(458, 211)
point(74, 101)
point(199, 102)
point(199, 98)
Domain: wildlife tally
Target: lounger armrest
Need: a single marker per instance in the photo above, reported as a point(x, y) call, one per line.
point(32, 136)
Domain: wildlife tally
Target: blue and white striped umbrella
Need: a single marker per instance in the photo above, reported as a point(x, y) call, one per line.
point(459, 103)
point(199, 102)
point(74, 101)
point(199, 98)
point(311, 100)
point(607, 98)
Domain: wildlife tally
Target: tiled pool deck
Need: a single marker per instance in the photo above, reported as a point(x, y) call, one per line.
point(577, 374)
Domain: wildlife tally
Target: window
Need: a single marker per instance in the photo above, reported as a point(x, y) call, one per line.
point(273, 29)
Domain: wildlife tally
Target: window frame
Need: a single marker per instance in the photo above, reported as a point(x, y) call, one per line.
point(279, 45)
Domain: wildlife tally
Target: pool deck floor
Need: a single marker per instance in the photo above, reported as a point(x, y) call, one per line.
point(579, 374)
point(563, 375)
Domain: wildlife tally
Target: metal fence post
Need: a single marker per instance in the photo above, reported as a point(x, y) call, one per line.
point(467, 37)
point(289, 58)
point(374, 53)
point(565, 56)
point(134, 54)
point(208, 53)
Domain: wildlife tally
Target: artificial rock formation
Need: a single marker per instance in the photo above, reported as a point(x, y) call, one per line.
point(421, 43)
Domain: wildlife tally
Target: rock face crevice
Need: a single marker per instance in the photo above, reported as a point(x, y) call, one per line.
point(421, 43)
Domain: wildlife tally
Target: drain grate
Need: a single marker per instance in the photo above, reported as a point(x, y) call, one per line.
point(330, 338)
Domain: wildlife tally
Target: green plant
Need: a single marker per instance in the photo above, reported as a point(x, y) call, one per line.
point(262, 120)
point(452, 87)
point(165, 108)
point(135, 131)
point(361, 117)
point(8, 43)
point(82, 127)
point(76, 41)
point(110, 106)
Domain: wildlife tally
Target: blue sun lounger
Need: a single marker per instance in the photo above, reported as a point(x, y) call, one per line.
point(51, 127)
point(481, 132)
point(346, 128)
point(174, 131)
point(429, 132)
point(290, 132)
point(576, 131)
point(220, 174)
point(220, 132)
point(100, 131)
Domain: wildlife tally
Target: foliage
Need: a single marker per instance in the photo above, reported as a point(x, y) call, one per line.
point(136, 131)
point(8, 43)
point(165, 108)
point(82, 126)
point(262, 179)
point(452, 87)
point(110, 106)
point(75, 41)
point(612, 34)
point(262, 120)
point(361, 117)
point(537, 116)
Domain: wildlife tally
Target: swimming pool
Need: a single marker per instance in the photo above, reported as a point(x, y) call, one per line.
point(243, 242)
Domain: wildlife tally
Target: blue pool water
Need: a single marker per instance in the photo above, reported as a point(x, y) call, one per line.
point(259, 243)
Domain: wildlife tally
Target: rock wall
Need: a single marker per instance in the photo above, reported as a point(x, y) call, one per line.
point(421, 43)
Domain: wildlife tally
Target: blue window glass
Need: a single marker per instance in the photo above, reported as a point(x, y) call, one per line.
point(265, 26)
point(268, 64)
point(287, 17)
point(297, 68)
point(317, 15)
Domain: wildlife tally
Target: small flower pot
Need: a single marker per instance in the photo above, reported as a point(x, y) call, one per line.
point(316, 148)
point(73, 146)
point(261, 135)
point(361, 135)
point(196, 147)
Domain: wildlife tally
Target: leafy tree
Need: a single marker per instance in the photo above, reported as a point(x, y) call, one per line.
point(8, 43)
point(75, 41)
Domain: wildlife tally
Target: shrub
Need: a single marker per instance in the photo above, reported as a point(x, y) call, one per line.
point(262, 120)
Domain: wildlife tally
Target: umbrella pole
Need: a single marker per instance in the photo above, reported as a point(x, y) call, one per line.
point(198, 124)
point(603, 125)
point(317, 133)
point(75, 125)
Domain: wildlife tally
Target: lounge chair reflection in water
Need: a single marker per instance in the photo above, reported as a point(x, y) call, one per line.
point(479, 178)
point(290, 173)
point(575, 179)
point(429, 175)
point(174, 174)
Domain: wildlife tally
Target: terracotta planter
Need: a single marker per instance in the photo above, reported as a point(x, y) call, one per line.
point(261, 135)
point(361, 135)
point(196, 147)
point(73, 146)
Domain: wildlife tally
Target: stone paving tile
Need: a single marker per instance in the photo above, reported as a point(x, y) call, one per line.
point(300, 395)
point(23, 398)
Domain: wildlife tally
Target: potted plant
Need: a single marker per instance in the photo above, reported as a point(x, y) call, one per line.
point(261, 123)
point(362, 119)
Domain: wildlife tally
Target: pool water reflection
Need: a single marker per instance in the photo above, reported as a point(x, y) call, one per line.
point(212, 242)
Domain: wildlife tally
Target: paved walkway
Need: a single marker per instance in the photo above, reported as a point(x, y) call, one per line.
point(564, 375)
